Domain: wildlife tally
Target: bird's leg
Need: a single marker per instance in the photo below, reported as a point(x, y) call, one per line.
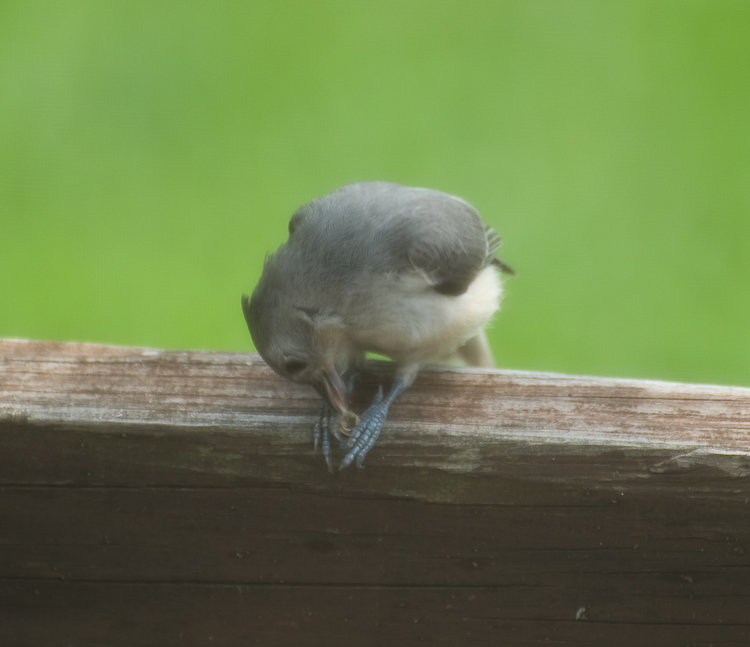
point(321, 433)
point(476, 351)
point(327, 424)
point(366, 432)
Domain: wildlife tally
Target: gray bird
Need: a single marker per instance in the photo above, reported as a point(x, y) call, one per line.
point(404, 272)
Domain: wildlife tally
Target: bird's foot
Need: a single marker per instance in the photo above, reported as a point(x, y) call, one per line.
point(330, 423)
point(327, 425)
point(366, 432)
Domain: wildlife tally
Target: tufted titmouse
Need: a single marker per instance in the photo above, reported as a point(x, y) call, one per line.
point(404, 272)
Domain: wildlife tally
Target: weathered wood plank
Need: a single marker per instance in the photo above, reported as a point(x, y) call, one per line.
point(261, 536)
point(171, 497)
point(48, 613)
point(99, 415)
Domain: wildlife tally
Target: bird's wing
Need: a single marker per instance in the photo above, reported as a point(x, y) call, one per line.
point(453, 244)
point(385, 228)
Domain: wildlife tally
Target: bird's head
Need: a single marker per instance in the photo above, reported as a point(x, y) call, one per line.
point(300, 343)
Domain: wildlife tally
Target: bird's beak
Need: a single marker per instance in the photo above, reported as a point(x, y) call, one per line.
point(333, 390)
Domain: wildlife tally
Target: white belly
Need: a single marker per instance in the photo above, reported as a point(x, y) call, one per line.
point(408, 321)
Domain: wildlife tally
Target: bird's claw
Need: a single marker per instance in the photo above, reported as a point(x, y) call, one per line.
point(324, 426)
point(362, 437)
point(330, 423)
point(366, 432)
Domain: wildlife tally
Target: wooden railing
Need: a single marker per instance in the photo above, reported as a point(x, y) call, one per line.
point(173, 498)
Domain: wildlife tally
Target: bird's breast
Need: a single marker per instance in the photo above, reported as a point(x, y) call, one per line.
point(404, 318)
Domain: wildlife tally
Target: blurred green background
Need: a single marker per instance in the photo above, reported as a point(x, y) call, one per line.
point(152, 152)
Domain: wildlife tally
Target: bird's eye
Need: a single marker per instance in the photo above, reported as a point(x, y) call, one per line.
point(294, 366)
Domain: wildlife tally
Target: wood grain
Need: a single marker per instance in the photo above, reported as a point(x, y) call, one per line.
point(173, 497)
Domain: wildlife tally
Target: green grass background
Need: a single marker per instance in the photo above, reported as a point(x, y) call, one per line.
point(152, 152)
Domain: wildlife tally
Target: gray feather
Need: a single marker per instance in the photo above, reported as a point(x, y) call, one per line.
point(390, 228)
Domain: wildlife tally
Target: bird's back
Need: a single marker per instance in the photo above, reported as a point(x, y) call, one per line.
point(385, 227)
